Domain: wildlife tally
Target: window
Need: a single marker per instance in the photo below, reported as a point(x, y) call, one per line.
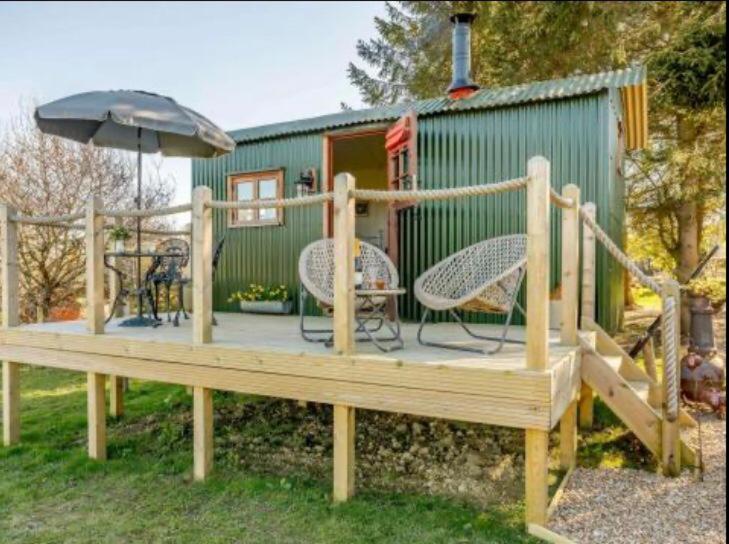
point(266, 185)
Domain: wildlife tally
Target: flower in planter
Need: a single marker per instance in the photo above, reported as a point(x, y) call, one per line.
point(713, 289)
point(120, 233)
point(260, 293)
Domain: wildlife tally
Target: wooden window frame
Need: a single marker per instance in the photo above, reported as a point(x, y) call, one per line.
point(254, 178)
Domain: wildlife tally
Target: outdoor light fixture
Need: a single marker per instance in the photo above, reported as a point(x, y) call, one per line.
point(306, 184)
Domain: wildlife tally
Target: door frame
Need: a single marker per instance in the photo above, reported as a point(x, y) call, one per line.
point(328, 140)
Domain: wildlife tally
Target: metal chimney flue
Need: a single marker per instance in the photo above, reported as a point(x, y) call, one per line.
point(462, 85)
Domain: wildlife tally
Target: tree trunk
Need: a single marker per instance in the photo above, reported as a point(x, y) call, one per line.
point(688, 222)
point(688, 253)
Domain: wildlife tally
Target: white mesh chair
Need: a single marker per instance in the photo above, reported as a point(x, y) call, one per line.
point(484, 277)
point(316, 273)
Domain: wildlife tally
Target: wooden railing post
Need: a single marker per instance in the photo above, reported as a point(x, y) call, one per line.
point(537, 347)
point(589, 270)
point(670, 430)
point(202, 325)
point(10, 318)
point(570, 266)
point(94, 267)
point(655, 393)
point(96, 383)
point(344, 416)
point(570, 310)
point(202, 266)
point(9, 260)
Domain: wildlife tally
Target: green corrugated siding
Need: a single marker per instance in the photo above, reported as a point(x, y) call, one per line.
point(454, 149)
point(573, 134)
point(262, 254)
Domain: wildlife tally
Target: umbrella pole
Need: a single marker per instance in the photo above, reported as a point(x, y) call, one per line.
point(140, 299)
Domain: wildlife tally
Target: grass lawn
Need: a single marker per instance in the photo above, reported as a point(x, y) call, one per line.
point(51, 492)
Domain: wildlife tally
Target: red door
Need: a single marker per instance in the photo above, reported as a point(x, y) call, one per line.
point(401, 143)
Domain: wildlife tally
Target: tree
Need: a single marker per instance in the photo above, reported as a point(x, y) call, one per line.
point(676, 187)
point(46, 175)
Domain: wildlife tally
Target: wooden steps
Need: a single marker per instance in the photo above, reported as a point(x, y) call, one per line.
point(626, 389)
point(624, 364)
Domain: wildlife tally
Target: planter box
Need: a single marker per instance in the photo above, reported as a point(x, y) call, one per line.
point(265, 307)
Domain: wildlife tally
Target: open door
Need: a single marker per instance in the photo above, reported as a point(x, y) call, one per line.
point(401, 144)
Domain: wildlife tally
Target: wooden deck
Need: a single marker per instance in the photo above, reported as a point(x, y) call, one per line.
point(266, 355)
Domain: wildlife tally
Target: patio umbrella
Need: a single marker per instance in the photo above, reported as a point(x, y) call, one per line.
point(136, 121)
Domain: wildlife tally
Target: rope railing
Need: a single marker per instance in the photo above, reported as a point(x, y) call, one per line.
point(76, 226)
point(670, 346)
point(153, 212)
point(440, 194)
point(47, 219)
point(619, 255)
point(670, 356)
point(560, 201)
point(272, 203)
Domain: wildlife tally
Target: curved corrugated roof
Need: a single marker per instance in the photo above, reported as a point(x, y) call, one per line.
point(629, 78)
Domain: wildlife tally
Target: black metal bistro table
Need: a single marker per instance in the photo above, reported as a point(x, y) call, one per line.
point(379, 305)
point(142, 291)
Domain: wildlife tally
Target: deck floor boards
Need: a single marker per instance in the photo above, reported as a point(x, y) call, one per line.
point(281, 333)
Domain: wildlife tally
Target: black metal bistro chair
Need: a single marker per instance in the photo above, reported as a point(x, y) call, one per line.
point(174, 257)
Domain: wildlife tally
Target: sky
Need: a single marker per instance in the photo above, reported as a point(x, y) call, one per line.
point(239, 64)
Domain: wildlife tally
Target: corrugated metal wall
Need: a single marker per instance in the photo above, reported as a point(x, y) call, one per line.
point(577, 135)
point(267, 255)
point(493, 145)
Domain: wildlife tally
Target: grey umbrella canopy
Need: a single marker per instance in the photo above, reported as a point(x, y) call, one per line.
point(114, 119)
point(135, 121)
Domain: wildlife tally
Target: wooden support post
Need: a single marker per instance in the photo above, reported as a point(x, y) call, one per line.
point(570, 266)
point(94, 267)
point(10, 318)
point(202, 266)
point(96, 413)
point(9, 262)
point(670, 430)
point(568, 437)
point(11, 403)
point(587, 406)
point(203, 432)
point(344, 456)
point(537, 347)
point(655, 393)
point(537, 473)
point(344, 417)
point(588, 306)
point(116, 396)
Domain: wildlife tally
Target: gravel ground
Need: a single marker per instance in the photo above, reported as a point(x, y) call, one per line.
point(633, 506)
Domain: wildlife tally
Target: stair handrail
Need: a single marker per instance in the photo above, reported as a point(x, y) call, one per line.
point(671, 338)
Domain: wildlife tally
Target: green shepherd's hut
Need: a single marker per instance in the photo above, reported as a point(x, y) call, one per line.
point(582, 124)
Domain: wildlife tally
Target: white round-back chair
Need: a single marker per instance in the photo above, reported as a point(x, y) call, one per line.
point(484, 277)
point(316, 273)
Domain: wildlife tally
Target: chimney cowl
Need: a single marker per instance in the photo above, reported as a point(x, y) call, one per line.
point(462, 85)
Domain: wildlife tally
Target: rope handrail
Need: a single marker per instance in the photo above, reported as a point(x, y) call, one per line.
point(47, 219)
point(440, 194)
point(670, 355)
point(153, 212)
point(78, 226)
point(273, 203)
point(619, 255)
point(560, 201)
